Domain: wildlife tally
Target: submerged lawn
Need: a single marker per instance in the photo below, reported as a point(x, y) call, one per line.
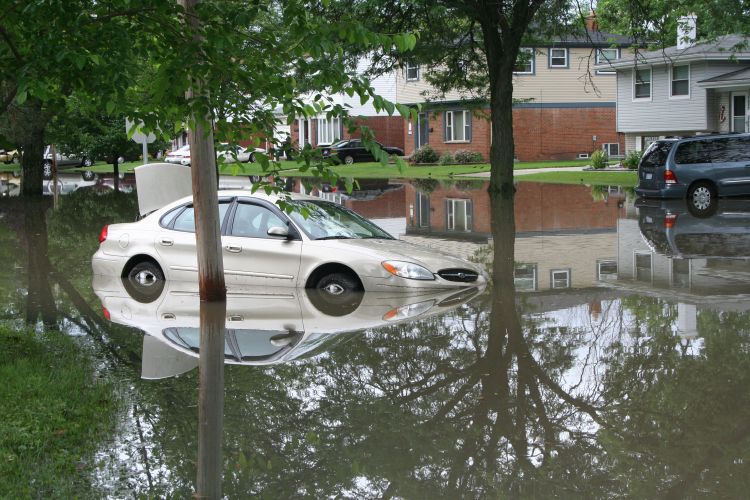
point(625, 179)
point(55, 414)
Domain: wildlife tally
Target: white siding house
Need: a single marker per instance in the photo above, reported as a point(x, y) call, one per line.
point(680, 91)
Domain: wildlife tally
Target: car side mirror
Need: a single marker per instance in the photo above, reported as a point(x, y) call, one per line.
point(278, 231)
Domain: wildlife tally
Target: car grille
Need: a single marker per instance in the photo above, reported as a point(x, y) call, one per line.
point(460, 275)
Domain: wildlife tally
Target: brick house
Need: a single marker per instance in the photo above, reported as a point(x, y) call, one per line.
point(565, 108)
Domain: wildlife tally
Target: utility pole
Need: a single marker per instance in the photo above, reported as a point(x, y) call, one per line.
point(211, 284)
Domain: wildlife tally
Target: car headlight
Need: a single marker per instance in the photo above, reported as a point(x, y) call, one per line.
point(407, 270)
point(408, 311)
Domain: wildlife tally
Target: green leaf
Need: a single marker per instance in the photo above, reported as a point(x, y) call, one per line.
point(21, 97)
point(110, 107)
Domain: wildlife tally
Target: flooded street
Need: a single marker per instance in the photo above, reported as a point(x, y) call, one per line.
point(610, 357)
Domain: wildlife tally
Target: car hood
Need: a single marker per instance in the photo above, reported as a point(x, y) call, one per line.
point(434, 260)
point(159, 184)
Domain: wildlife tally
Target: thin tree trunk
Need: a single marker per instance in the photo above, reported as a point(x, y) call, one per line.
point(32, 161)
point(116, 170)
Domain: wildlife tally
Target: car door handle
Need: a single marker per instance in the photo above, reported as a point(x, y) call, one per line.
point(233, 249)
point(166, 242)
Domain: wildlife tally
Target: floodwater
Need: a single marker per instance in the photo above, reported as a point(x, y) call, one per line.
point(611, 357)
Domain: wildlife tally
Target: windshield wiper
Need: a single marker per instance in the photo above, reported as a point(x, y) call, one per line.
point(339, 237)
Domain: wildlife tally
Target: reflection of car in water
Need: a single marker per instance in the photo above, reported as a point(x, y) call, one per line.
point(265, 326)
point(672, 228)
point(66, 162)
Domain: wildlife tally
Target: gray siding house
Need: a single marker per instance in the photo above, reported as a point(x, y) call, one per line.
point(684, 90)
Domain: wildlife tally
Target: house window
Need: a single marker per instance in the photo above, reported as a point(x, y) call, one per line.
point(458, 215)
point(412, 72)
point(560, 278)
point(558, 58)
point(680, 81)
point(611, 148)
point(604, 56)
point(457, 126)
point(642, 84)
point(329, 130)
point(606, 269)
point(524, 277)
point(423, 209)
point(524, 62)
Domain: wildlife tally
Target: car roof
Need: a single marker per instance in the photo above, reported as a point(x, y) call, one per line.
point(712, 136)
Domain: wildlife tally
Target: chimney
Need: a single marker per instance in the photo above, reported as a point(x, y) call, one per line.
point(591, 23)
point(686, 31)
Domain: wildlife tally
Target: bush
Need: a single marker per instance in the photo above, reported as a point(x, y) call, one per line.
point(631, 160)
point(446, 159)
point(463, 157)
point(599, 159)
point(425, 154)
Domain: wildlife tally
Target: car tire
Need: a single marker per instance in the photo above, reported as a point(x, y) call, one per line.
point(87, 162)
point(335, 306)
point(15, 160)
point(145, 282)
point(88, 175)
point(338, 284)
point(702, 199)
point(349, 159)
point(47, 170)
point(251, 158)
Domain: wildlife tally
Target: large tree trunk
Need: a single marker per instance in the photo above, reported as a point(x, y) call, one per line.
point(116, 170)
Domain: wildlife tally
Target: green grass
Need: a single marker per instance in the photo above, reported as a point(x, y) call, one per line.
point(625, 179)
point(366, 170)
point(54, 413)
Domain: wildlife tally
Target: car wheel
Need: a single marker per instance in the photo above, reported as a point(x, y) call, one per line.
point(702, 199)
point(349, 159)
point(88, 175)
point(145, 282)
point(15, 160)
point(87, 162)
point(47, 170)
point(251, 158)
point(337, 284)
point(334, 305)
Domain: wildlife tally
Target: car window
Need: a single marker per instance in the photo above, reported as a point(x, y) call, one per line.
point(732, 149)
point(326, 220)
point(656, 154)
point(185, 221)
point(254, 221)
point(340, 144)
point(695, 152)
point(355, 144)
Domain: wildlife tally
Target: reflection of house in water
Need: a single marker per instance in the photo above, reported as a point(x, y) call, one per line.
point(565, 234)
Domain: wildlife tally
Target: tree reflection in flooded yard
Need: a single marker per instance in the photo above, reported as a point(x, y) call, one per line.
point(591, 392)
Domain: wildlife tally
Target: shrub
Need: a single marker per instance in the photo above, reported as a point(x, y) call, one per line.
point(425, 154)
point(631, 160)
point(446, 159)
point(463, 157)
point(599, 159)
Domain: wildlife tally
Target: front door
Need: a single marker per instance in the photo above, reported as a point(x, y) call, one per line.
point(423, 130)
point(740, 112)
point(251, 256)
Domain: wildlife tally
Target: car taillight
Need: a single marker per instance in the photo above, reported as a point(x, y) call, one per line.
point(670, 220)
point(103, 234)
point(669, 177)
point(105, 313)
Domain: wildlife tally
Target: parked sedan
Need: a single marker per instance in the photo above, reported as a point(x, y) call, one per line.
point(352, 150)
point(318, 245)
point(66, 162)
point(9, 157)
point(177, 155)
point(232, 154)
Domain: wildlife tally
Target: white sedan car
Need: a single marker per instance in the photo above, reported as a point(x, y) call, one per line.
point(178, 155)
point(318, 245)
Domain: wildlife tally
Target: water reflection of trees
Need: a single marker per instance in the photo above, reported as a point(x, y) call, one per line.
point(490, 400)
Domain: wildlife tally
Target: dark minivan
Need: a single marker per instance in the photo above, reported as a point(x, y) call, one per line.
point(699, 168)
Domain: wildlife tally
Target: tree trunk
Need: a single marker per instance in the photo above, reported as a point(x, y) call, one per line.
point(116, 170)
point(32, 161)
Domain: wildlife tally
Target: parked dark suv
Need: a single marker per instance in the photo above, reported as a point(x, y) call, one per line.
point(699, 168)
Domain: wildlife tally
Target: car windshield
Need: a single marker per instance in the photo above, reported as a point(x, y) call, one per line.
point(323, 220)
point(340, 144)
